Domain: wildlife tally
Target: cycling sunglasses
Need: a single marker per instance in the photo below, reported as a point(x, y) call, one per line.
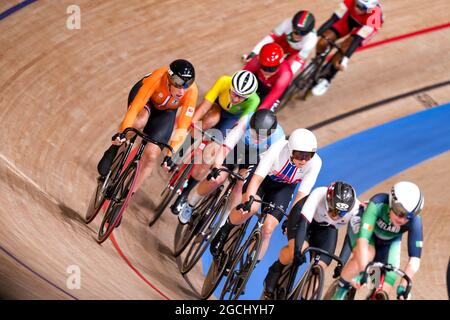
point(302, 155)
point(299, 33)
point(269, 69)
point(233, 93)
point(401, 212)
point(179, 83)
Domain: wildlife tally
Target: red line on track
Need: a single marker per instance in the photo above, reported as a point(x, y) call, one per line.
point(124, 257)
point(405, 36)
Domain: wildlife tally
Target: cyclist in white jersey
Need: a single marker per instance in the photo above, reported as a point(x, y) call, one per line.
point(275, 179)
point(296, 36)
point(314, 221)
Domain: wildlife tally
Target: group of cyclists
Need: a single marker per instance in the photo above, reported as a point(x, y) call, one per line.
point(240, 110)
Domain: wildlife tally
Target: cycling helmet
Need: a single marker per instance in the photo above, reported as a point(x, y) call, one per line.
point(340, 197)
point(303, 22)
point(271, 55)
point(263, 120)
point(366, 5)
point(181, 73)
point(302, 140)
point(244, 83)
point(406, 200)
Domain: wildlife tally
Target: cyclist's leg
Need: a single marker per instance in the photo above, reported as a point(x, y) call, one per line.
point(159, 127)
point(389, 254)
point(107, 159)
point(235, 218)
point(286, 255)
point(324, 237)
point(221, 122)
point(355, 264)
point(281, 195)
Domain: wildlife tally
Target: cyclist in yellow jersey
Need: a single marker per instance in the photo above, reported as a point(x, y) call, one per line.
point(227, 101)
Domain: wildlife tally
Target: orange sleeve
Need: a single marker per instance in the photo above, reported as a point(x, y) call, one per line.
point(185, 117)
point(149, 86)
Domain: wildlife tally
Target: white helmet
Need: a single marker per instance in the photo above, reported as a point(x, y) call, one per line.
point(302, 140)
point(366, 5)
point(244, 83)
point(405, 199)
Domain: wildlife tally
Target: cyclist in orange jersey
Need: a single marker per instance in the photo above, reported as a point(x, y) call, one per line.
point(153, 103)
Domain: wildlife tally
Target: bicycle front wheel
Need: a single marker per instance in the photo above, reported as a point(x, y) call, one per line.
point(242, 268)
point(170, 192)
point(185, 233)
point(206, 233)
point(311, 285)
point(119, 201)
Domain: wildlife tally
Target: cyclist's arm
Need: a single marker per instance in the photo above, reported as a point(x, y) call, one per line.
point(415, 244)
point(277, 32)
point(300, 59)
point(310, 177)
point(231, 140)
point(253, 187)
point(278, 89)
point(210, 97)
point(337, 15)
point(368, 220)
point(346, 250)
point(149, 86)
point(201, 110)
point(185, 117)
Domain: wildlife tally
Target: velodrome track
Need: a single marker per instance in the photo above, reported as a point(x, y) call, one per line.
point(63, 93)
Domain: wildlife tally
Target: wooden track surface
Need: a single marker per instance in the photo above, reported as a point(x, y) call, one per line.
point(63, 93)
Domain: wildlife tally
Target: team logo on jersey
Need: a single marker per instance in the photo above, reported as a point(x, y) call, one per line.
point(175, 102)
point(190, 111)
point(368, 227)
point(419, 244)
point(387, 227)
point(160, 95)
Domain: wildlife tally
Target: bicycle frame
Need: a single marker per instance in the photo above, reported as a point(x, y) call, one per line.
point(380, 269)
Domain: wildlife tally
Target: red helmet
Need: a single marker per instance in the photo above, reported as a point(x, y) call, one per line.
point(271, 55)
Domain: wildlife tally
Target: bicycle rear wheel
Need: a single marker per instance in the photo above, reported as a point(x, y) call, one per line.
point(311, 285)
point(119, 201)
point(170, 192)
point(185, 233)
point(206, 233)
point(242, 268)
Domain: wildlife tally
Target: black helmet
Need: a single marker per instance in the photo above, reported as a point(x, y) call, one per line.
point(303, 22)
point(340, 197)
point(263, 120)
point(181, 73)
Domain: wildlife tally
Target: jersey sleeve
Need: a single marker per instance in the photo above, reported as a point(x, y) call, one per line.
point(310, 207)
point(216, 89)
point(283, 28)
point(235, 134)
point(343, 8)
point(280, 86)
point(259, 45)
point(415, 238)
point(149, 86)
point(368, 220)
point(185, 117)
point(311, 176)
point(266, 163)
point(252, 65)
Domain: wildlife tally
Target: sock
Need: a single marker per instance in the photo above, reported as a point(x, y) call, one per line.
point(228, 226)
point(190, 185)
point(277, 266)
point(332, 73)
